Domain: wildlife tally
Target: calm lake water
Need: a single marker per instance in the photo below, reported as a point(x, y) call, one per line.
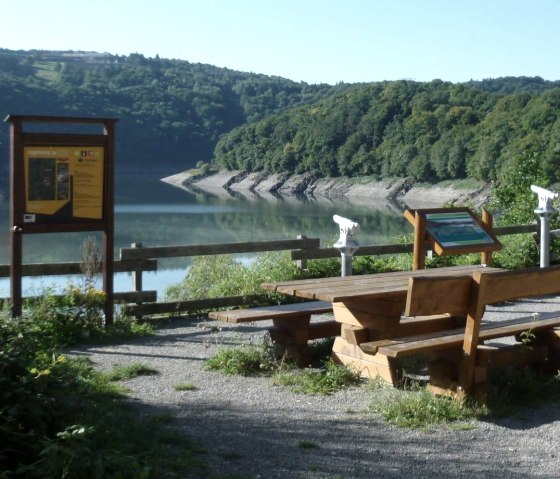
point(157, 214)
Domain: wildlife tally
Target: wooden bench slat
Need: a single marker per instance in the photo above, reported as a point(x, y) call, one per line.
point(454, 337)
point(261, 313)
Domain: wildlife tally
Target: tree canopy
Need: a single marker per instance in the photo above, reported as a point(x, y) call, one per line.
point(429, 131)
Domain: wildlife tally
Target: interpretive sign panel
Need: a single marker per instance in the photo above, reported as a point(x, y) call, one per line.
point(63, 183)
point(457, 231)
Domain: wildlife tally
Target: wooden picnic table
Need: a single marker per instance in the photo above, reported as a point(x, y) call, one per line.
point(369, 307)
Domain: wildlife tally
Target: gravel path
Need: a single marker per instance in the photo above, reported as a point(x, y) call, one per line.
point(253, 429)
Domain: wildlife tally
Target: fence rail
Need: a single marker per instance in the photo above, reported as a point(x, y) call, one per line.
point(137, 260)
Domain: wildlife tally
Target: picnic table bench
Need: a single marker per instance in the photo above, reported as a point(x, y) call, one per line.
point(292, 327)
point(369, 307)
point(461, 358)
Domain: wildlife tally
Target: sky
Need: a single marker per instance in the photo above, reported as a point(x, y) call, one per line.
point(314, 41)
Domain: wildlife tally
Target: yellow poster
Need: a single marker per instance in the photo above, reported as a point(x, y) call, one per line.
point(64, 182)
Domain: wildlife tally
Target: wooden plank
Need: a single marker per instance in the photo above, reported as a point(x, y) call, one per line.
point(525, 283)
point(74, 267)
point(367, 365)
point(339, 281)
point(353, 334)
point(499, 357)
point(430, 342)
point(436, 295)
point(218, 248)
point(323, 329)
point(378, 250)
point(268, 312)
point(428, 324)
point(135, 296)
point(365, 286)
point(174, 307)
point(373, 319)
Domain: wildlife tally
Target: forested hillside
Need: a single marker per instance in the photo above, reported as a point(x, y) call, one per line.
point(171, 112)
point(429, 131)
point(174, 114)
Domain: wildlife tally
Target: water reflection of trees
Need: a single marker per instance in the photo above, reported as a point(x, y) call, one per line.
point(256, 222)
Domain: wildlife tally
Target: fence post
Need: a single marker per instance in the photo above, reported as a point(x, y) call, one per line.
point(137, 283)
point(302, 263)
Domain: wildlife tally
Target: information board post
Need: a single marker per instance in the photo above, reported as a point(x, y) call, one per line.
point(488, 222)
point(17, 198)
point(419, 251)
point(61, 182)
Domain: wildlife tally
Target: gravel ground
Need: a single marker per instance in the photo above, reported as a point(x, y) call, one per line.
point(253, 429)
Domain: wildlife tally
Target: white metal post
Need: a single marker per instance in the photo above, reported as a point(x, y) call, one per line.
point(346, 243)
point(545, 212)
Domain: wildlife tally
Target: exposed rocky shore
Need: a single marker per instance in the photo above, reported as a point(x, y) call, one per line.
point(402, 191)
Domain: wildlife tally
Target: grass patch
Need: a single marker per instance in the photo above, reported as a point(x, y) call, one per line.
point(131, 371)
point(420, 409)
point(244, 361)
point(509, 393)
point(261, 361)
point(185, 387)
point(516, 391)
point(247, 360)
point(327, 380)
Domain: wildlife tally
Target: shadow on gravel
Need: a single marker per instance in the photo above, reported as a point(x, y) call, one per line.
point(244, 443)
point(273, 435)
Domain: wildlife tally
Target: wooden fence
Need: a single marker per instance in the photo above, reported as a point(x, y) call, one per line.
point(137, 260)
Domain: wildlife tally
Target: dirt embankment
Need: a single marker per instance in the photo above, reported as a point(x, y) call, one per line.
point(398, 190)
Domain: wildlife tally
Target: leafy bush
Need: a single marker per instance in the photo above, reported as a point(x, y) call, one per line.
point(61, 418)
point(512, 195)
point(222, 275)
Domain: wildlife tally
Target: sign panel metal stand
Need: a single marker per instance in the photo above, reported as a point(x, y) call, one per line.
point(61, 182)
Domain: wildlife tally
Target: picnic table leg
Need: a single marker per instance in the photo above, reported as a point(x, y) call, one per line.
point(290, 337)
point(360, 324)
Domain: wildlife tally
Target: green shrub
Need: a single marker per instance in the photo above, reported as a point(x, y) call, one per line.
point(221, 275)
point(61, 418)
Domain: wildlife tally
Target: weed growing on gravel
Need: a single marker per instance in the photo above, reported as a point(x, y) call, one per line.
point(185, 387)
point(420, 409)
point(251, 360)
point(509, 392)
point(245, 361)
point(130, 371)
point(327, 380)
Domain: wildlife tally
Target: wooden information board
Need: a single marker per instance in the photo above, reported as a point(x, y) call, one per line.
point(61, 182)
point(451, 231)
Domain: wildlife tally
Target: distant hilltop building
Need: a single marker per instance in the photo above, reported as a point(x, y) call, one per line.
point(62, 56)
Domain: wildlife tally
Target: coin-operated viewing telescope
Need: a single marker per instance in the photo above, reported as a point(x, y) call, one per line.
point(346, 243)
point(545, 212)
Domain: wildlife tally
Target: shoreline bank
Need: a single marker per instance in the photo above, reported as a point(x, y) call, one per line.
point(401, 191)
